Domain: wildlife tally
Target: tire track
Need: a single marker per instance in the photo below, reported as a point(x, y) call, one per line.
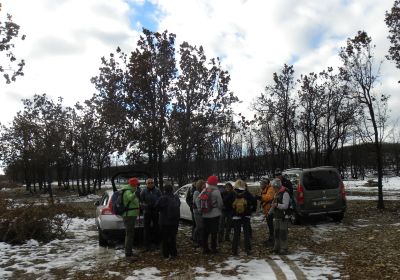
point(296, 270)
point(276, 269)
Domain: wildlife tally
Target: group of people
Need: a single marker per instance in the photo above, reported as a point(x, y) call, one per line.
point(216, 211)
point(231, 209)
point(161, 213)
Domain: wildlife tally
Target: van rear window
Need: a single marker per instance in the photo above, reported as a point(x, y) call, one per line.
point(320, 180)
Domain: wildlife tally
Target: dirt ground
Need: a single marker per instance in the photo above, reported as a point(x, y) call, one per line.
point(369, 248)
point(365, 245)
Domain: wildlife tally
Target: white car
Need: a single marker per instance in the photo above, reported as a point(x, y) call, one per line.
point(111, 226)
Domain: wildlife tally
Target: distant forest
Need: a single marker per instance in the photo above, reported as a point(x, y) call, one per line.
point(169, 110)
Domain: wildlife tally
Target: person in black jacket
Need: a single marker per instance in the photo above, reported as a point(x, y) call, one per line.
point(242, 209)
point(148, 199)
point(169, 213)
point(285, 182)
point(228, 196)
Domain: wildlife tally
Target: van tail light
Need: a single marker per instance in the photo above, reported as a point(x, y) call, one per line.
point(300, 194)
point(342, 191)
point(107, 210)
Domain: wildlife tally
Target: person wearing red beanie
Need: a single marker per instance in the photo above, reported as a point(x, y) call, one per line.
point(212, 180)
point(131, 202)
point(134, 182)
point(212, 217)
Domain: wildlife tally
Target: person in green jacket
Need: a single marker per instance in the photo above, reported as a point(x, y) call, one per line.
point(131, 201)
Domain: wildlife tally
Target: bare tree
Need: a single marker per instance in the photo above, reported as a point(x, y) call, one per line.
point(360, 70)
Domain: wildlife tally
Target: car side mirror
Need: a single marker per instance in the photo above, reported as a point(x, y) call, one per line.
point(97, 203)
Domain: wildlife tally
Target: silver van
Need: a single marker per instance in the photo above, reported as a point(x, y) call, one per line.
point(319, 191)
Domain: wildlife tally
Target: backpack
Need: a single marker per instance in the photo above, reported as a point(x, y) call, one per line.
point(240, 205)
point(117, 202)
point(173, 208)
point(205, 201)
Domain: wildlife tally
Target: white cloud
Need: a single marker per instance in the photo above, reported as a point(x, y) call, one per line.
point(255, 38)
point(64, 44)
point(65, 40)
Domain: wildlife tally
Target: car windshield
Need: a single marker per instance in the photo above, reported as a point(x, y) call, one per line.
point(320, 180)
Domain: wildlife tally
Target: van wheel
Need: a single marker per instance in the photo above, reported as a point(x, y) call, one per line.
point(337, 218)
point(295, 219)
point(102, 241)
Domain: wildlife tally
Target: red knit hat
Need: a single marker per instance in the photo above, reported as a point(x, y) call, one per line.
point(212, 180)
point(134, 182)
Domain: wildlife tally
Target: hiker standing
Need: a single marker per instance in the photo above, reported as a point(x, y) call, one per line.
point(168, 206)
point(228, 196)
point(131, 202)
point(267, 196)
point(210, 207)
point(279, 207)
point(198, 231)
point(189, 201)
point(148, 198)
point(242, 209)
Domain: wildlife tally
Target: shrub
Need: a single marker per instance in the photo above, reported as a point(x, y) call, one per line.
point(22, 222)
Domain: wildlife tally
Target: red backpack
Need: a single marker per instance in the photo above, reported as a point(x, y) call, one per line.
point(205, 201)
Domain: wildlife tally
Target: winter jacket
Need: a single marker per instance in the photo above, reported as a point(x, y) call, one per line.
point(288, 185)
point(216, 202)
point(248, 210)
point(251, 200)
point(267, 196)
point(168, 206)
point(130, 200)
point(196, 202)
point(149, 197)
point(189, 196)
point(228, 198)
point(282, 198)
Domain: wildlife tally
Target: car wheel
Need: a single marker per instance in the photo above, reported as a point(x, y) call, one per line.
point(337, 218)
point(295, 218)
point(102, 241)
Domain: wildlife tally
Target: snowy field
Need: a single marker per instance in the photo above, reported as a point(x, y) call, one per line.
point(80, 251)
point(361, 189)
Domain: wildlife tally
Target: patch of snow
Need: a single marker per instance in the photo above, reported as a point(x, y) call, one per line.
point(148, 273)
point(315, 267)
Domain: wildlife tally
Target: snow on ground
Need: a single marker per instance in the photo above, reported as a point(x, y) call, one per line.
point(80, 252)
point(362, 190)
point(73, 253)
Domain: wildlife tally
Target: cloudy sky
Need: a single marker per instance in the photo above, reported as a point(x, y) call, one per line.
point(66, 39)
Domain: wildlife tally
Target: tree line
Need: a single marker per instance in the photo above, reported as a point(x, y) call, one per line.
point(169, 109)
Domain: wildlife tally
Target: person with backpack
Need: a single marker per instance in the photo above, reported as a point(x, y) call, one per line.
point(279, 207)
point(131, 203)
point(242, 209)
point(267, 196)
point(210, 202)
point(285, 182)
point(228, 196)
point(198, 231)
point(148, 198)
point(168, 206)
point(253, 203)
